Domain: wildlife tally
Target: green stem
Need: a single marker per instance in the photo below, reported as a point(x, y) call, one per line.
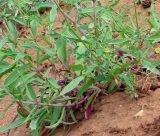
point(136, 16)
point(95, 17)
point(76, 32)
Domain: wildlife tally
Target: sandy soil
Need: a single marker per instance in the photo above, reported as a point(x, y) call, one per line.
point(115, 115)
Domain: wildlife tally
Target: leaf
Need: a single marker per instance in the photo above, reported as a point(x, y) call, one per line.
point(15, 124)
point(59, 121)
point(53, 14)
point(150, 66)
point(99, 52)
point(28, 45)
point(3, 42)
point(51, 52)
point(126, 78)
point(91, 99)
point(15, 75)
point(81, 48)
point(56, 113)
point(2, 95)
point(19, 56)
point(155, 16)
point(62, 50)
point(91, 25)
point(34, 124)
point(116, 70)
point(31, 113)
point(31, 93)
point(44, 4)
point(112, 86)
point(84, 88)
point(45, 75)
point(13, 30)
point(154, 38)
point(26, 78)
point(33, 28)
point(45, 39)
point(72, 115)
point(35, 132)
point(4, 69)
point(54, 83)
point(76, 67)
point(73, 84)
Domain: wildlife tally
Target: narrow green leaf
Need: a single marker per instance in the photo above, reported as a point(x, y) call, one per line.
point(15, 75)
point(2, 96)
point(151, 67)
point(126, 79)
point(51, 52)
point(47, 72)
point(76, 67)
point(3, 42)
point(56, 114)
point(6, 68)
point(72, 115)
point(35, 132)
point(13, 30)
point(45, 39)
point(62, 50)
point(53, 14)
point(59, 121)
point(54, 83)
point(30, 116)
point(73, 84)
point(84, 88)
point(15, 124)
point(112, 87)
point(31, 93)
point(91, 99)
point(26, 78)
point(155, 16)
point(154, 38)
point(33, 28)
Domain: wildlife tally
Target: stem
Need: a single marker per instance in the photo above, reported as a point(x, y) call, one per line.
point(54, 105)
point(136, 16)
point(64, 14)
point(95, 17)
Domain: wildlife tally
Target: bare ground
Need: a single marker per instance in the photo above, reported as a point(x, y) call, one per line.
point(115, 115)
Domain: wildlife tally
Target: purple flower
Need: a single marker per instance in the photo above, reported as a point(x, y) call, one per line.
point(121, 53)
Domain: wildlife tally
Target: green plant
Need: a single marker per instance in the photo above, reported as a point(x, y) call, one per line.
point(21, 12)
point(105, 52)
